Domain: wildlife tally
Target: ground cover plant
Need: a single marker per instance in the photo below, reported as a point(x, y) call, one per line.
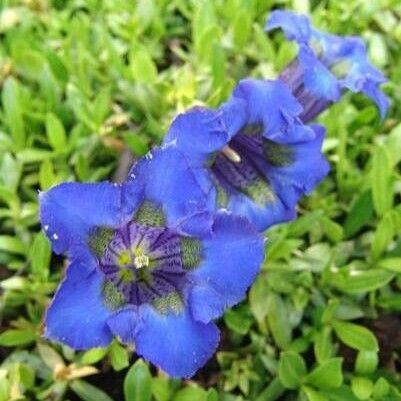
point(89, 86)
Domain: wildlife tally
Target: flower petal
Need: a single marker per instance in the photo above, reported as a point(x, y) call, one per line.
point(168, 181)
point(329, 62)
point(268, 102)
point(70, 210)
point(199, 131)
point(175, 342)
point(77, 315)
point(232, 256)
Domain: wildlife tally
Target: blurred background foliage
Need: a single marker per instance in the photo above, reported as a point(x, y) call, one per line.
point(89, 85)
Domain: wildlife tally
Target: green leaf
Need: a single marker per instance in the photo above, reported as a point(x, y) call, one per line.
point(381, 388)
point(382, 191)
point(55, 132)
point(366, 362)
point(291, 369)
point(15, 337)
point(10, 172)
point(11, 244)
point(327, 375)
point(190, 394)
point(391, 264)
point(47, 178)
point(342, 393)
point(242, 29)
point(93, 355)
point(40, 254)
point(323, 344)
point(272, 392)
point(118, 356)
point(49, 356)
point(237, 321)
point(313, 395)
point(360, 214)
point(143, 69)
point(362, 387)
point(13, 111)
point(258, 298)
point(356, 282)
point(161, 389)
point(277, 316)
point(137, 382)
point(88, 392)
point(355, 336)
point(384, 234)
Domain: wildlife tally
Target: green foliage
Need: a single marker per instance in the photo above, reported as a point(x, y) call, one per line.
point(85, 82)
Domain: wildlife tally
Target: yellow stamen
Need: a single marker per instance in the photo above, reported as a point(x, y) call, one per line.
point(124, 258)
point(231, 154)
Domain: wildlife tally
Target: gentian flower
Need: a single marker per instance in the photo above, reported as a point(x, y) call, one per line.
point(326, 65)
point(150, 263)
point(253, 156)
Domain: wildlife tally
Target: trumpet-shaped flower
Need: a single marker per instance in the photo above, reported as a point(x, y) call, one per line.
point(326, 64)
point(150, 263)
point(253, 156)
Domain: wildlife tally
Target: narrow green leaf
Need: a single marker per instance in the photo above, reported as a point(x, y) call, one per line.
point(55, 132)
point(15, 337)
point(190, 394)
point(277, 316)
point(323, 344)
point(291, 369)
point(93, 355)
point(313, 395)
point(382, 191)
point(137, 382)
point(143, 69)
point(47, 178)
point(391, 264)
point(12, 244)
point(89, 392)
point(381, 388)
point(49, 356)
point(362, 387)
point(13, 111)
point(360, 214)
point(40, 254)
point(272, 392)
point(366, 362)
point(355, 336)
point(118, 356)
point(327, 375)
point(361, 281)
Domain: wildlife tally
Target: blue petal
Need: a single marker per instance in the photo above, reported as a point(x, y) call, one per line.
point(232, 256)
point(270, 102)
point(175, 342)
point(288, 183)
point(168, 180)
point(68, 211)
point(124, 324)
point(319, 80)
point(77, 315)
point(296, 27)
point(324, 52)
point(199, 131)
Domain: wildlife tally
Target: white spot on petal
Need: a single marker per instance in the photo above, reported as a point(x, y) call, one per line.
point(55, 236)
point(46, 227)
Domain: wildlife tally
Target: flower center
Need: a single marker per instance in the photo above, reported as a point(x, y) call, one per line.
point(243, 166)
point(144, 262)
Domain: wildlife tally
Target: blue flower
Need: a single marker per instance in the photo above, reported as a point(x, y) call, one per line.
point(326, 65)
point(253, 156)
point(149, 263)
